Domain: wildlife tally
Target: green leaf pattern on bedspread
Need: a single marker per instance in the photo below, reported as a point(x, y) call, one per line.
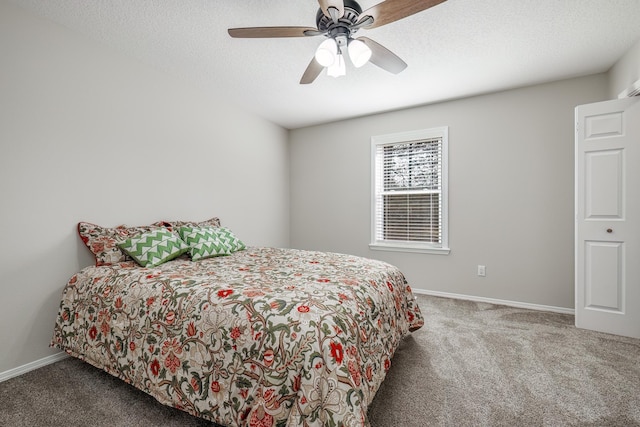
point(263, 337)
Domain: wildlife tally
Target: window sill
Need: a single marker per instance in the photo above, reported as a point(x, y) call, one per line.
point(407, 248)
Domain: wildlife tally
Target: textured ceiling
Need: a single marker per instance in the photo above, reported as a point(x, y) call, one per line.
point(456, 49)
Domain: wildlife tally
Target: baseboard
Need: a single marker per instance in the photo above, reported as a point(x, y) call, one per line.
point(11, 373)
point(517, 304)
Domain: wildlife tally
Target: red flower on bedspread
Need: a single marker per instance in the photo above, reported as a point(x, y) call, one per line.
point(225, 293)
point(191, 329)
point(155, 367)
point(260, 419)
point(170, 349)
point(235, 333)
point(268, 357)
point(172, 363)
point(337, 352)
point(170, 317)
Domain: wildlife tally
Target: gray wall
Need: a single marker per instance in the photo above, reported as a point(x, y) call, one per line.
point(87, 134)
point(511, 191)
point(625, 72)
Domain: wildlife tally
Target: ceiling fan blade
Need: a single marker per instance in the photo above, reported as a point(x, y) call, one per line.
point(392, 10)
point(383, 57)
point(268, 32)
point(312, 72)
point(338, 5)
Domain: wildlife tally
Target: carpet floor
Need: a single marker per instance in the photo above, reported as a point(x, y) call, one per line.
point(473, 364)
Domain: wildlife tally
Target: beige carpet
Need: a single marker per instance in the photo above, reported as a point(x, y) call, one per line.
point(479, 364)
point(473, 364)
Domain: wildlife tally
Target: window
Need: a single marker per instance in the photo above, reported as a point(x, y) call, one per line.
point(409, 186)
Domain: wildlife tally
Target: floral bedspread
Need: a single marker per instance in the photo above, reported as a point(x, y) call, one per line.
point(263, 337)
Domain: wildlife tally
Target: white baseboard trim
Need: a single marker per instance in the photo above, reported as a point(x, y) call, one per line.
point(517, 304)
point(11, 373)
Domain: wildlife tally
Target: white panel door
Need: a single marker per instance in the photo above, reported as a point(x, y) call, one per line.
point(608, 217)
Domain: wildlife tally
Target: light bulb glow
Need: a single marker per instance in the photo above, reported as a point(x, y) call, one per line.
point(327, 52)
point(338, 68)
point(359, 53)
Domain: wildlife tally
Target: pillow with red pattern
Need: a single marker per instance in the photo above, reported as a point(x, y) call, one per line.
point(102, 241)
point(175, 225)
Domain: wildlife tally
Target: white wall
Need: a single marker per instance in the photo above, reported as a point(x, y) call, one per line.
point(510, 188)
point(87, 134)
point(625, 72)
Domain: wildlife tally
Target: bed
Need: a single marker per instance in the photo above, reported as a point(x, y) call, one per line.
point(254, 337)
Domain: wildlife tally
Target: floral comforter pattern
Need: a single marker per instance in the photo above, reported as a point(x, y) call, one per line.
point(264, 337)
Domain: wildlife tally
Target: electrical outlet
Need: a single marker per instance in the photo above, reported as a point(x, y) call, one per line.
point(482, 270)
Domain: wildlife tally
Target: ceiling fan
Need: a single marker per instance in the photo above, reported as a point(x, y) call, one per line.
point(338, 21)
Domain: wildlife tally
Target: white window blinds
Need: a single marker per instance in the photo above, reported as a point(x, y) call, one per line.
point(409, 206)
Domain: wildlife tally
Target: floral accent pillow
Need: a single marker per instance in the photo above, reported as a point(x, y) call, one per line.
point(175, 225)
point(154, 248)
point(203, 242)
point(102, 241)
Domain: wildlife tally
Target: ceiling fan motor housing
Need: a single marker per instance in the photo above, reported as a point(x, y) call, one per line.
point(340, 31)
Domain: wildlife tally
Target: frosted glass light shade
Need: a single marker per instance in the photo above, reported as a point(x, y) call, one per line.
point(338, 68)
point(359, 53)
point(327, 52)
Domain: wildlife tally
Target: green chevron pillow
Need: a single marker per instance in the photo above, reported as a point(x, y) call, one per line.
point(203, 242)
point(230, 239)
point(153, 248)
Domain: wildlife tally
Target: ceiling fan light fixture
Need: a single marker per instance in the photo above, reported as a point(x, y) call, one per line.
point(359, 53)
point(339, 68)
point(327, 53)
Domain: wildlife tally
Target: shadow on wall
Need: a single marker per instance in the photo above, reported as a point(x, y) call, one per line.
point(34, 292)
point(84, 255)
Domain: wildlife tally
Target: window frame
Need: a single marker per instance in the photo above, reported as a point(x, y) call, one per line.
point(407, 137)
